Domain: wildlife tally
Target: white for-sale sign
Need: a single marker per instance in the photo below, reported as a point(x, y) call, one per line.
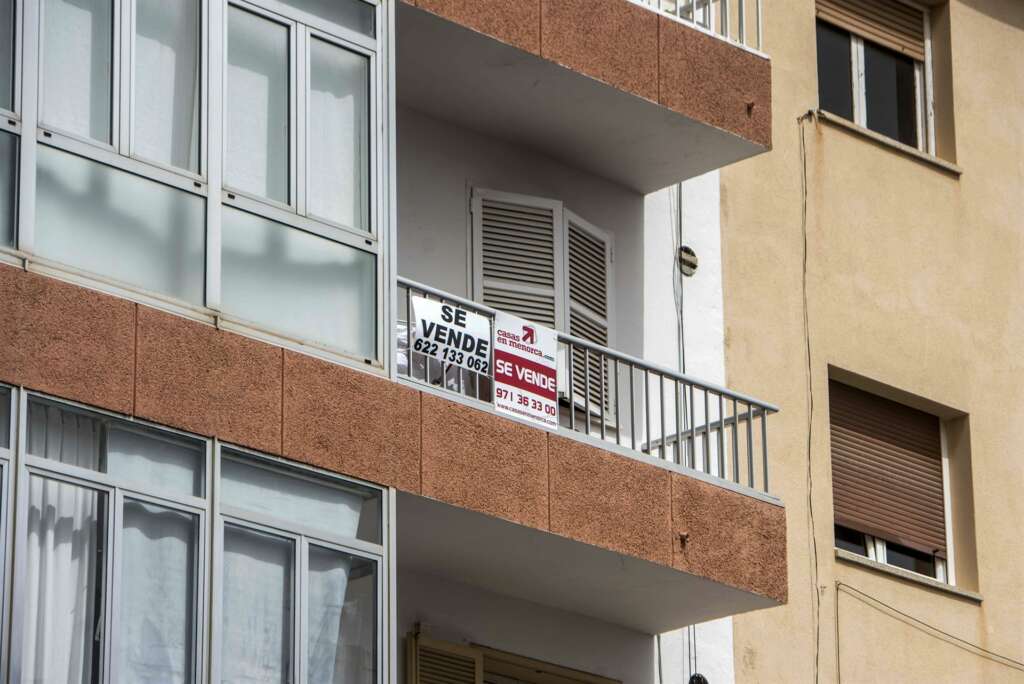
point(451, 334)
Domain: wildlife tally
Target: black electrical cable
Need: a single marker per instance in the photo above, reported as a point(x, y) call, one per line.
point(816, 598)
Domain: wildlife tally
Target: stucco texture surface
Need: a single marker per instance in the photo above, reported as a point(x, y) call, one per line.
point(66, 340)
point(610, 501)
point(479, 461)
point(515, 23)
point(351, 422)
point(197, 378)
point(913, 281)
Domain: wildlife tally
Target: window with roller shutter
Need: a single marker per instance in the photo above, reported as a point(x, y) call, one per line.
point(887, 480)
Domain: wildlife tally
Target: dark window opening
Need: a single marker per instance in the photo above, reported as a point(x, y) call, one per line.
point(851, 540)
point(891, 94)
point(835, 75)
point(909, 559)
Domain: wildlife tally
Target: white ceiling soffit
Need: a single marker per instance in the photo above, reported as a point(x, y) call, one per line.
point(459, 75)
point(528, 564)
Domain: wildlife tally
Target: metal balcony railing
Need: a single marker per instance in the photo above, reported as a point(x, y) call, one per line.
point(738, 21)
point(620, 400)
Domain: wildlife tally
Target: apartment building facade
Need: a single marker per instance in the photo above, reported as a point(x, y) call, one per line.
point(226, 454)
point(883, 284)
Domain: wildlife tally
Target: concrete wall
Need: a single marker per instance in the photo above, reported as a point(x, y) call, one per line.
point(439, 164)
point(913, 280)
point(463, 614)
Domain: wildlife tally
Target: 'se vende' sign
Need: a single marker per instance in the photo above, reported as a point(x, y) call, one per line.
point(451, 334)
point(525, 370)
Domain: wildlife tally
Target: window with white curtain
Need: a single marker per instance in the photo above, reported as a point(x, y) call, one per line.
point(219, 154)
point(126, 546)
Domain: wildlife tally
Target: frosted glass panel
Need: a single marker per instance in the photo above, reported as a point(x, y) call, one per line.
point(342, 618)
point(257, 105)
point(340, 130)
point(257, 633)
point(158, 462)
point(8, 189)
point(166, 113)
point(349, 512)
point(298, 283)
point(103, 220)
point(352, 14)
point(77, 66)
point(6, 54)
point(62, 630)
point(157, 594)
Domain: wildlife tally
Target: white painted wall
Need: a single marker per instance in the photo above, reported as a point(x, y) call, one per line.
point(461, 613)
point(438, 164)
point(705, 359)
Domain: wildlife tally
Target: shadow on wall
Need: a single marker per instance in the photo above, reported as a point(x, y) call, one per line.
point(1010, 12)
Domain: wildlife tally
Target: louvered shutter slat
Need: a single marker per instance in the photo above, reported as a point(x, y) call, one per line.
point(439, 662)
point(588, 309)
point(517, 257)
point(887, 469)
point(890, 23)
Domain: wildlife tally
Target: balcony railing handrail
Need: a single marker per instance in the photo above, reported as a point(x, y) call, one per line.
point(618, 398)
point(613, 353)
point(722, 22)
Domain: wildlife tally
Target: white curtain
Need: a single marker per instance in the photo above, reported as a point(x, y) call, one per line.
point(157, 595)
point(257, 622)
point(328, 582)
point(63, 587)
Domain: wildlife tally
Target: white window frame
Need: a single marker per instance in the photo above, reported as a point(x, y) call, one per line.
point(923, 85)
point(16, 467)
point(208, 183)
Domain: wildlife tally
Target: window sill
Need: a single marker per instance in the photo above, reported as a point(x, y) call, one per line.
point(886, 141)
point(855, 559)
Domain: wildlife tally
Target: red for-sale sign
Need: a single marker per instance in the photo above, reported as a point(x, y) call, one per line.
point(525, 370)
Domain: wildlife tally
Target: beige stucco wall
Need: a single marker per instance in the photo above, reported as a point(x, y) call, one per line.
point(913, 280)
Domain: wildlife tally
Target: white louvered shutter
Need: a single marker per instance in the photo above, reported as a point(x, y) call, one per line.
point(589, 258)
point(517, 250)
point(438, 662)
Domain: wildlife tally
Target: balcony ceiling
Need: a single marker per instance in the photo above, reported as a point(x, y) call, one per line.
point(456, 74)
point(463, 546)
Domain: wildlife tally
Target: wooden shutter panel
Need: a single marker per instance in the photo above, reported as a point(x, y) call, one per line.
point(890, 23)
point(431, 661)
point(517, 253)
point(886, 469)
point(589, 274)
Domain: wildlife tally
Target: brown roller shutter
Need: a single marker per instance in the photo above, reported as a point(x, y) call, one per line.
point(887, 22)
point(886, 469)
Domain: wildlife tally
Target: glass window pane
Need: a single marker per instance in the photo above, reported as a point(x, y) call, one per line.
point(158, 594)
point(5, 418)
point(342, 619)
point(7, 54)
point(86, 213)
point(257, 105)
point(910, 559)
point(8, 183)
point(299, 283)
point(161, 462)
point(166, 111)
point(65, 435)
point(835, 71)
point(343, 510)
point(352, 14)
point(339, 125)
point(63, 583)
point(257, 631)
point(850, 540)
point(77, 66)
point(891, 93)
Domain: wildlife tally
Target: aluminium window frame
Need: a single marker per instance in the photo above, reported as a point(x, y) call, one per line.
point(924, 97)
point(302, 537)
point(6, 528)
point(377, 240)
point(116, 490)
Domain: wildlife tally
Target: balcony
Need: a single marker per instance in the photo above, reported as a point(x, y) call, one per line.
point(643, 94)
